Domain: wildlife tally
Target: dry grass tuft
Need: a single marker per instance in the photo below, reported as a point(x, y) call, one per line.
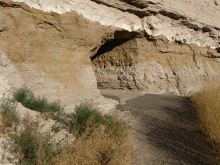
point(207, 102)
point(100, 148)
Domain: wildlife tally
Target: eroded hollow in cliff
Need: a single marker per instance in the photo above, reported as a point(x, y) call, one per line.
point(120, 37)
point(115, 57)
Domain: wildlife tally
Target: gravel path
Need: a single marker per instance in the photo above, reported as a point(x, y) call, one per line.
point(165, 129)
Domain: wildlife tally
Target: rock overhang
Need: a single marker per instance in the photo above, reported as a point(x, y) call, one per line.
point(176, 20)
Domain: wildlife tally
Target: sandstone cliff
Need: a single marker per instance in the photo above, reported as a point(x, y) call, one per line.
point(63, 49)
point(49, 53)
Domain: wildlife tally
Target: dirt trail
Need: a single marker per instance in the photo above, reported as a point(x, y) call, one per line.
point(165, 129)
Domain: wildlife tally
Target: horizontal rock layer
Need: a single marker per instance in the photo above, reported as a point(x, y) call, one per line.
point(156, 66)
point(190, 21)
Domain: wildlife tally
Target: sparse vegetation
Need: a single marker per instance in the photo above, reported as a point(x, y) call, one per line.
point(100, 148)
point(84, 114)
point(9, 116)
point(87, 117)
point(101, 139)
point(207, 103)
point(27, 98)
point(33, 146)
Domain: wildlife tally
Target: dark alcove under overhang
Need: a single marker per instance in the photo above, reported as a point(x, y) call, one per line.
point(120, 37)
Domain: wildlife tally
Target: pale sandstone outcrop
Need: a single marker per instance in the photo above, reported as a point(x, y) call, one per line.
point(190, 21)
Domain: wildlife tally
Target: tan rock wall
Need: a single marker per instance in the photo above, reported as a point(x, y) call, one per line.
point(50, 53)
point(157, 66)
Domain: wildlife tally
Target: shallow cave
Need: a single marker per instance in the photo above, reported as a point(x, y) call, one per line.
point(120, 37)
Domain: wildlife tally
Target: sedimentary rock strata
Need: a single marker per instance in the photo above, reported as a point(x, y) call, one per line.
point(156, 66)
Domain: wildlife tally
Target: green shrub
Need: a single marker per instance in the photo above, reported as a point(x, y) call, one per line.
point(27, 98)
point(27, 143)
point(23, 94)
point(33, 146)
point(88, 117)
point(9, 116)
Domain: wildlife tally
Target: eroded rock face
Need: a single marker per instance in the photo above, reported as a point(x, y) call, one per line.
point(156, 66)
point(152, 63)
point(49, 53)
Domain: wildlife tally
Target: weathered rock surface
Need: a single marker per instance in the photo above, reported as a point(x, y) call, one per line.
point(156, 66)
point(190, 21)
point(49, 53)
point(155, 46)
point(149, 61)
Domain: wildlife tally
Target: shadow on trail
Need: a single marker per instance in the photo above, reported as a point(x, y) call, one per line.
point(169, 123)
